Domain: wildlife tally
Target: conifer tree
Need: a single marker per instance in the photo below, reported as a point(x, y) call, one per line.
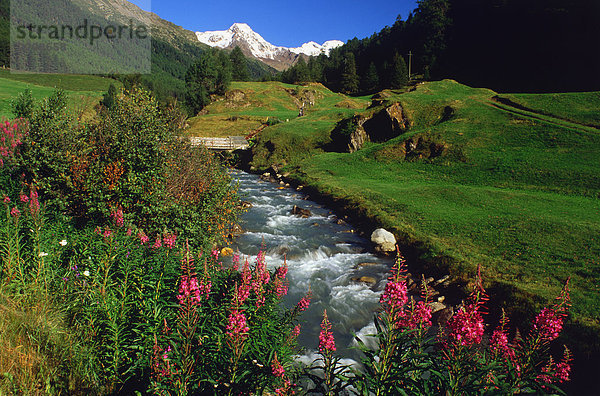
point(239, 65)
point(349, 81)
point(370, 82)
point(398, 72)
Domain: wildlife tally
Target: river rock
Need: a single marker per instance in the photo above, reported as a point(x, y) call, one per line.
point(436, 306)
point(441, 317)
point(384, 240)
point(363, 265)
point(298, 211)
point(245, 204)
point(369, 280)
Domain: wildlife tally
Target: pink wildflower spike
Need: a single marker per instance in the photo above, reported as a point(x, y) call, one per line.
point(236, 261)
point(117, 217)
point(277, 368)
point(466, 326)
point(34, 204)
point(237, 326)
point(418, 316)
point(157, 243)
point(394, 296)
point(143, 238)
point(304, 302)
point(326, 341)
point(107, 233)
point(563, 368)
point(215, 254)
point(14, 212)
point(24, 198)
point(6, 199)
point(169, 240)
point(129, 231)
point(499, 341)
point(296, 331)
point(548, 324)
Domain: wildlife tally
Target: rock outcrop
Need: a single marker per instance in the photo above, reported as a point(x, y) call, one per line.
point(351, 134)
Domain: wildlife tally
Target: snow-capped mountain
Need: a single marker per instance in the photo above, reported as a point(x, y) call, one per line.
point(253, 44)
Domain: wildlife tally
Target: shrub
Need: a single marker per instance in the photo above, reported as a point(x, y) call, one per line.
point(128, 158)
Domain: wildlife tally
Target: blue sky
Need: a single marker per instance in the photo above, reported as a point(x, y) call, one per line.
point(286, 23)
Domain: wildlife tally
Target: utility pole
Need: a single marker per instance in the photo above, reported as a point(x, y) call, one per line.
point(409, 64)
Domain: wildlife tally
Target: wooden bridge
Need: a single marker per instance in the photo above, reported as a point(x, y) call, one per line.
point(221, 143)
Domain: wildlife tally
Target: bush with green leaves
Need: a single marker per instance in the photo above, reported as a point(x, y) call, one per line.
point(129, 157)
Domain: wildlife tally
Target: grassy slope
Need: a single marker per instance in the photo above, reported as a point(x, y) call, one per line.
point(521, 199)
point(83, 91)
point(277, 101)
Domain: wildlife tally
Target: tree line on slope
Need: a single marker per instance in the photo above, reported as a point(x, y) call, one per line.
point(506, 45)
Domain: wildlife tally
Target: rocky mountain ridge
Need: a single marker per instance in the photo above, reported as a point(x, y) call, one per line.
point(254, 45)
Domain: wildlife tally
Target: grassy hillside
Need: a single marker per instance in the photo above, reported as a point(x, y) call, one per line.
point(515, 190)
point(84, 91)
point(247, 105)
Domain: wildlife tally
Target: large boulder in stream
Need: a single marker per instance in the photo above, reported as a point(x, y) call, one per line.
point(384, 241)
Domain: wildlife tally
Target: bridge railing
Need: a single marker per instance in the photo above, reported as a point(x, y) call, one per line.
point(221, 143)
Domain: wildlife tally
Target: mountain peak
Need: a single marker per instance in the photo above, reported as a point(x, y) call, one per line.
point(253, 44)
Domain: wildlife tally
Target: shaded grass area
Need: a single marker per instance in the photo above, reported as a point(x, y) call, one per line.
point(39, 353)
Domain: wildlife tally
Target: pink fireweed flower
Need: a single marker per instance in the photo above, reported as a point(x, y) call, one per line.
point(236, 261)
point(237, 326)
point(304, 302)
point(262, 274)
point(277, 368)
point(157, 243)
point(189, 289)
point(34, 204)
point(143, 238)
point(14, 212)
point(107, 233)
point(117, 217)
point(563, 368)
point(394, 296)
point(499, 341)
point(499, 345)
point(466, 326)
point(243, 292)
point(296, 331)
point(129, 231)
point(259, 291)
point(6, 199)
point(215, 254)
point(417, 317)
point(326, 341)
point(24, 198)
point(548, 324)
point(282, 271)
point(169, 240)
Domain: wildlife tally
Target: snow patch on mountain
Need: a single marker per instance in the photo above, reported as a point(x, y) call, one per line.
point(243, 35)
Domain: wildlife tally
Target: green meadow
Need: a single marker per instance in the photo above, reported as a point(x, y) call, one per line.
point(83, 91)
